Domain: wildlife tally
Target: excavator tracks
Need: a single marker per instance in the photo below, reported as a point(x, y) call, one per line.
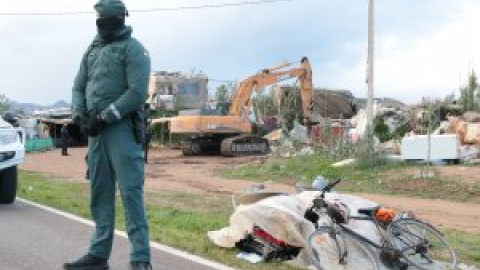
point(244, 145)
point(190, 148)
point(201, 146)
point(241, 145)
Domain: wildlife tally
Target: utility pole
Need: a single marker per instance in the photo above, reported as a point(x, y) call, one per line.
point(370, 67)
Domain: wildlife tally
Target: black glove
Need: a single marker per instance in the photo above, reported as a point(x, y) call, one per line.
point(93, 125)
point(78, 121)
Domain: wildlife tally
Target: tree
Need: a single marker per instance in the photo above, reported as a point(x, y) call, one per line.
point(473, 84)
point(291, 106)
point(470, 94)
point(265, 104)
point(4, 104)
point(224, 92)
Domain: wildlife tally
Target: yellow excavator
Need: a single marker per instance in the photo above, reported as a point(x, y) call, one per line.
point(229, 130)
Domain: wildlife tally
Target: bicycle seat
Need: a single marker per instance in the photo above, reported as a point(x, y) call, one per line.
point(369, 211)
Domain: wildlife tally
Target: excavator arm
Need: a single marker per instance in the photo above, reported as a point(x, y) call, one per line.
point(242, 98)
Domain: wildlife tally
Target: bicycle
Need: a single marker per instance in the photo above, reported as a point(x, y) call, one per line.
point(405, 241)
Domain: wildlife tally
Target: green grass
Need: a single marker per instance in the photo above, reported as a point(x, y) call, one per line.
point(466, 245)
point(393, 179)
point(304, 168)
point(61, 194)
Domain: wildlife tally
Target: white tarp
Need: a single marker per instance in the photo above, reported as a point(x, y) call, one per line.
point(359, 122)
point(299, 132)
point(282, 217)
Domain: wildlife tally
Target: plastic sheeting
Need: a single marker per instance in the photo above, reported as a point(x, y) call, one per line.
point(282, 217)
point(299, 132)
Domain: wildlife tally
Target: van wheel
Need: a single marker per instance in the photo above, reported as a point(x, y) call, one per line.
point(8, 185)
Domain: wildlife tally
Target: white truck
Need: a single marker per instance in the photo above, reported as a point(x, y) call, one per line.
point(12, 153)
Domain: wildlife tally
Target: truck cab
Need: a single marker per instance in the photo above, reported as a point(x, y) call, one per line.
point(12, 153)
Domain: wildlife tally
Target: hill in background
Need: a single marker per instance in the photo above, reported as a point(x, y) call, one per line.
point(29, 108)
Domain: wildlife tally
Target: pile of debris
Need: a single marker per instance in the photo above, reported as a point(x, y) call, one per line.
point(338, 104)
point(400, 132)
point(467, 127)
point(467, 130)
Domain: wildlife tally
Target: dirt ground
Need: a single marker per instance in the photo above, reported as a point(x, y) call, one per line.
point(169, 170)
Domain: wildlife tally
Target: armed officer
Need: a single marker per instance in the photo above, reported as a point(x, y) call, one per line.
point(109, 89)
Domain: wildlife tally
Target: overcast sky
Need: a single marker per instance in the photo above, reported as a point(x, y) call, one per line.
point(423, 48)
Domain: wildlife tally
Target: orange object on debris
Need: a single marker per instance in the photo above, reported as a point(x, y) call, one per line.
point(385, 214)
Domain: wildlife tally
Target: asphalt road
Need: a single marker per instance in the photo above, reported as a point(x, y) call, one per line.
point(33, 238)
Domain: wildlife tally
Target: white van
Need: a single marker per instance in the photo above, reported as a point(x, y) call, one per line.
point(12, 153)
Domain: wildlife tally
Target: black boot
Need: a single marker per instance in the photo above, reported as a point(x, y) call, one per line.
point(87, 262)
point(140, 266)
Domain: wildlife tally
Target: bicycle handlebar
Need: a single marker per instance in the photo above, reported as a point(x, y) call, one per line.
point(329, 187)
point(319, 202)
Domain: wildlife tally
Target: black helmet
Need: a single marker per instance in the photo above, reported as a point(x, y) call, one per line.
point(111, 8)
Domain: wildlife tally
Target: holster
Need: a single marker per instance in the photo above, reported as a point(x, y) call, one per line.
point(138, 119)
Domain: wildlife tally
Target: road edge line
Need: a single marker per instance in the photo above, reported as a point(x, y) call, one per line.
point(161, 247)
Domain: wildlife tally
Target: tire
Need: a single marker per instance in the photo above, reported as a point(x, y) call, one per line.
point(431, 252)
point(324, 247)
point(8, 185)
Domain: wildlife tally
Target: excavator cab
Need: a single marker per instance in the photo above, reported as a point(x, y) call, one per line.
point(223, 108)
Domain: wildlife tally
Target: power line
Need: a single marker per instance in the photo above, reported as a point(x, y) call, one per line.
point(222, 80)
point(165, 9)
point(243, 3)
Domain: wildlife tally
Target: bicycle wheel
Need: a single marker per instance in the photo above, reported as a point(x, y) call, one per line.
point(326, 247)
point(421, 245)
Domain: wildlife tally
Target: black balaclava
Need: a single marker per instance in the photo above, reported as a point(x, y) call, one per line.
point(108, 27)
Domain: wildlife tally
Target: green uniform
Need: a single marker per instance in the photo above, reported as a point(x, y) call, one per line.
point(112, 81)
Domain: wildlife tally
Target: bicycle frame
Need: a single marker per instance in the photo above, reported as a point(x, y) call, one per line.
point(319, 205)
point(342, 228)
point(338, 231)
